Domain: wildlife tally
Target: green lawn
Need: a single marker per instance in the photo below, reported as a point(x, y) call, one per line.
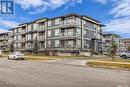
point(116, 60)
point(118, 63)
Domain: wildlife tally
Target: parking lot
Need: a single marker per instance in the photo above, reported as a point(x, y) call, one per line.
point(24, 73)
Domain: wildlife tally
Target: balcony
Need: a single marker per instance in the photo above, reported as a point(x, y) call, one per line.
point(11, 34)
point(61, 47)
point(19, 32)
point(23, 40)
point(69, 35)
point(41, 38)
point(66, 23)
point(4, 38)
point(23, 31)
point(29, 40)
point(3, 44)
point(41, 30)
point(31, 31)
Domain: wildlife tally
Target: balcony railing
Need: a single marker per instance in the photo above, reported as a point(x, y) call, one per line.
point(3, 44)
point(3, 38)
point(70, 21)
point(42, 38)
point(23, 31)
point(41, 30)
point(73, 34)
point(66, 23)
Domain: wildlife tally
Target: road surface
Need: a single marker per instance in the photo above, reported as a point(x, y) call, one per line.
point(49, 74)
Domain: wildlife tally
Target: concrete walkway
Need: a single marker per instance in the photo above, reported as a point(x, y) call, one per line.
point(70, 61)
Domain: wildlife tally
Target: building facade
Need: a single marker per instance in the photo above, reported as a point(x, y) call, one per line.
point(4, 42)
point(108, 39)
point(124, 44)
point(70, 33)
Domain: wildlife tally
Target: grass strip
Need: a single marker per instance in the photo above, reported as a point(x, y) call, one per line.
point(109, 64)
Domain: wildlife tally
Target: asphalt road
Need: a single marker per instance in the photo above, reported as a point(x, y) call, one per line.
point(49, 74)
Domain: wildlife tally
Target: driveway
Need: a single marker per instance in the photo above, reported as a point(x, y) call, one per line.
point(48, 74)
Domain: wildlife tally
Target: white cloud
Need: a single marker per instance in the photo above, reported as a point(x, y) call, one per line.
point(121, 21)
point(122, 9)
point(121, 25)
point(40, 6)
point(3, 30)
point(27, 4)
point(8, 23)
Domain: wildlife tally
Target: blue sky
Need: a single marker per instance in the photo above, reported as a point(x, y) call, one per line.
point(115, 14)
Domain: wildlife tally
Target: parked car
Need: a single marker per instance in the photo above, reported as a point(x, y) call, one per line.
point(16, 56)
point(125, 54)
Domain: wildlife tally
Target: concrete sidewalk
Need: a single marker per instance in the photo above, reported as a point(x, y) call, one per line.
point(70, 61)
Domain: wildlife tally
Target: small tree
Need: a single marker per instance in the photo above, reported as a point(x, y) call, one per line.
point(36, 46)
point(11, 47)
point(128, 48)
point(113, 50)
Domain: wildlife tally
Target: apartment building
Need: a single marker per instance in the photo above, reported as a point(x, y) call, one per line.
point(4, 42)
point(124, 44)
point(108, 39)
point(70, 33)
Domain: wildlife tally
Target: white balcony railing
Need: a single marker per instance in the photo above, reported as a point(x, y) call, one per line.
point(69, 34)
point(2, 38)
point(71, 21)
point(42, 38)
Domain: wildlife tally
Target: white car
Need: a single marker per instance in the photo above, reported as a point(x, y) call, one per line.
point(125, 54)
point(16, 56)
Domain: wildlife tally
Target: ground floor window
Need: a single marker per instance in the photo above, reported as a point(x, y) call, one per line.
point(48, 43)
point(57, 42)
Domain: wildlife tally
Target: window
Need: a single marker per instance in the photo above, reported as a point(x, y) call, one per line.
point(49, 23)
point(15, 45)
point(78, 43)
point(57, 42)
point(15, 30)
point(85, 32)
point(34, 35)
point(70, 32)
point(19, 37)
point(78, 21)
point(19, 45)
point(98, 36)
point(15, 37)
point(49, 33)
point(29, 36)
point(19, 29)
point(49, 43)
point(29, 27)
point(57, 21)
point(34, 26)
point(70, 43)
point(29, 45)
point(87, 45)
point(57, 32)
point(79, 32)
